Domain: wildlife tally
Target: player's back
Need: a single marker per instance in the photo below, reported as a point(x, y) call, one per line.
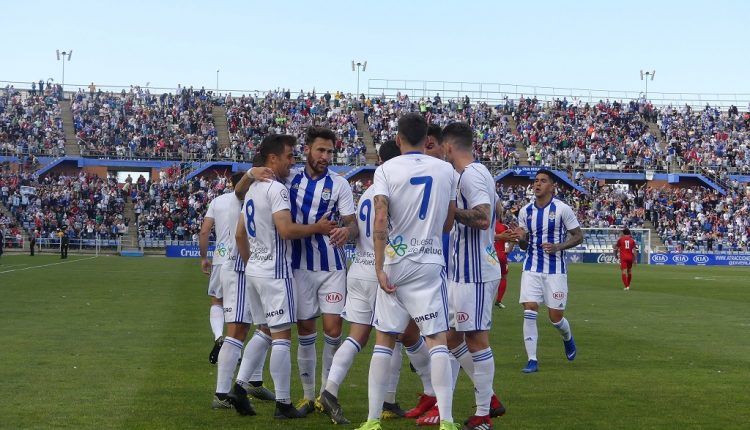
point(419, 189)
point(225, 210)
point(269, 253)
point(363, 266)
point(626, 245)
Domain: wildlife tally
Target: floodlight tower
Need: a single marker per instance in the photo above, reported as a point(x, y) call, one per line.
point(65, 57)
point(358, 66)
point(647, 74)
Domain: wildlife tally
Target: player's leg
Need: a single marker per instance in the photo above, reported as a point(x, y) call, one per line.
point(331, 296)
point(531, 295)
point(228, 357)
point(216, 311)
point(503, 283)
point(556, 297)
point(624, 272)
point(630, 273)
point(307, 313)
point(419, 356)
point(259, 344)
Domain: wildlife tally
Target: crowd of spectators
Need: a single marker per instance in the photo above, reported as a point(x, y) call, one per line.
point(494, 141)
point(31, 123)
point(138, 124)
point(706, 139)
point(252, 117)
point(82, 206)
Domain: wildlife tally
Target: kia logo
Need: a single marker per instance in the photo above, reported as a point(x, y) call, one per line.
point(462, 317)
point(700, 259)
point(659, 258)
point(605, 258)
point(334, 297)
point(558, 295)
point(680, 258)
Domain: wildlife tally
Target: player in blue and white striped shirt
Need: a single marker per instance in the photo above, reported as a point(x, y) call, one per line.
point(318, 261)
point(547, 227)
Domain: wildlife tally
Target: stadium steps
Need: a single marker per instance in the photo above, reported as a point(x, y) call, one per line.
point(523, 156)
point(131, 240)
point(222, 129)
point(656, 242)
point(364, 131)
point(71, 144)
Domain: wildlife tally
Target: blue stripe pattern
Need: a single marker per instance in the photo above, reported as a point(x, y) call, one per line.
point(479, 287)
point(282, 342)
point(234, 342)
point(240, 301)
point(444, 294)
point(354, 342)
point(307, 200)
point(296, 244)
point(461, 350)
point(529, 248)
point(551, 236)
point(539, 240)
point(308, 340)
point(290, 300)
point(529, 315)
point(263, 336)
point(482, 356)
point(440, 349)
point(416, 346)
point(333, 341)
point(382, 350)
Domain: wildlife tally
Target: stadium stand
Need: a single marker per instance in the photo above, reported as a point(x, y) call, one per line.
point(30, 124)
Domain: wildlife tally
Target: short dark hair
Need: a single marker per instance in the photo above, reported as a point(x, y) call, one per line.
point(273, 144)
point(547, 172)
point(413, 128)
point(315, 132)
point(626, 231)
point(237, 177)
point(435, 131)
point(388, 150)
point(460, 133)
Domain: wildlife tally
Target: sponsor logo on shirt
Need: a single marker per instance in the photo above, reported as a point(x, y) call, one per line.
point(221, 249)
point(396, 246)
point(275, 313)
point(491, 255)
point(427, 317)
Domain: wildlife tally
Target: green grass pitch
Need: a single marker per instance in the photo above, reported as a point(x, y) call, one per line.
point(112, 342)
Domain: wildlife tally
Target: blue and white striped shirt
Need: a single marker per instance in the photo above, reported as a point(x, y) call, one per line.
point(549, 224)
point(311, 199)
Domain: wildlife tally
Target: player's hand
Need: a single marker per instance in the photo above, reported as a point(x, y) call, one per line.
point(507, 236)
point(384, 283)
point(262, 174)
point(520, 232)
point(205, 266)
point(324, 226)
point(339, 236)
point(550, 248)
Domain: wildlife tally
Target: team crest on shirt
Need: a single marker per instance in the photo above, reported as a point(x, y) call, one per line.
point(326, 194)
point(284, 195)
point(551, 215)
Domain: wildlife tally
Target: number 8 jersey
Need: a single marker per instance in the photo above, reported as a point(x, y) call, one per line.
point(419, 189)
point(270, 255)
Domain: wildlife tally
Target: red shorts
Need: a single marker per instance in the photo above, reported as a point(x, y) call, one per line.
point(503, 258)
point(626, 263)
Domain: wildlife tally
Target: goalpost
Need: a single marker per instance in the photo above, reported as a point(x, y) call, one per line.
point(601, 240)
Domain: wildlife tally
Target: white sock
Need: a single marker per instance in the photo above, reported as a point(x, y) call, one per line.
point(377, 381)
point(563, 326)
point(216, 318)
point(260, 343)
point(306, 362)
point(484, 374)
point(455, 370)
point(463, 356)
point(229, 355)
point(440, 367)
point(329, 350)
point(420, 359)
point(255, 353)
point(530, 333)
point(281, 369)
point(342, 362)
point(395, 374)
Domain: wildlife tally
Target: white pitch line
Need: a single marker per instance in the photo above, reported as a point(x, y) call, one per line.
point(47, 265)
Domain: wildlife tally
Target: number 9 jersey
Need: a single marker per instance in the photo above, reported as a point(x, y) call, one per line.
point(419, 189)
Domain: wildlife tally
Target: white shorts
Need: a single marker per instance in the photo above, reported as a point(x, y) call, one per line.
point(551, 290)
point(319, 292)
point(277, 298)
point(360, 300)
point(237, 303)
point(471, 305)
point(214, 281)
point(421, 295)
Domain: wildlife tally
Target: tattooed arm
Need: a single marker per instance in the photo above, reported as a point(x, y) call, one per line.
point(340, 235)
point(380, 239)
point(477, 217)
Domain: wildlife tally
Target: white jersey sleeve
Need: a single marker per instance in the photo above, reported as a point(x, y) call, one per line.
point(269, 253)
point(345, 197)
point(568, 218)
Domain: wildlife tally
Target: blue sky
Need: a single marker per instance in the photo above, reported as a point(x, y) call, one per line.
point(694, 46)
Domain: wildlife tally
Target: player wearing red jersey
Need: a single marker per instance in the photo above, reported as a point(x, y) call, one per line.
point(626, 249)
point(502, 236)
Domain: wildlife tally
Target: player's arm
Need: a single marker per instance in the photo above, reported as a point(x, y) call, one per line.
point(289, 230)
point(523, 237)
point(349, 231)
point(208, 224)
point(380, 239)
point(477, 217)
point(255, 173)
point(575, 238)
point(450, 218)
point(499, 211)
point(243, 246)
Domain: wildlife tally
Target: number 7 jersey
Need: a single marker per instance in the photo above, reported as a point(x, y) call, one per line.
point(419, 189)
